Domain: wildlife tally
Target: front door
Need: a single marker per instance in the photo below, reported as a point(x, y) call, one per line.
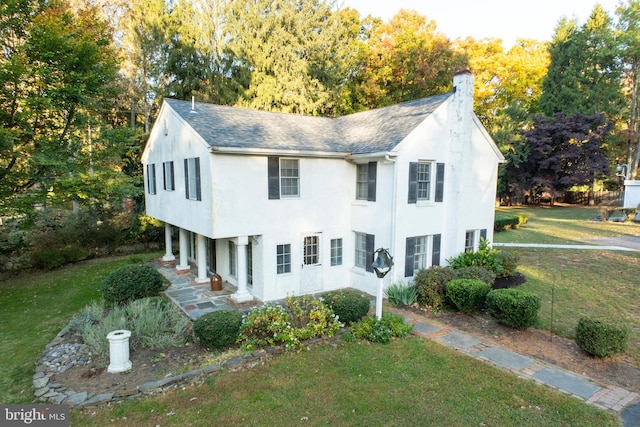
point(311, 274)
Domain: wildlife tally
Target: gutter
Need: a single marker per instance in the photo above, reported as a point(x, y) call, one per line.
point(279, 152)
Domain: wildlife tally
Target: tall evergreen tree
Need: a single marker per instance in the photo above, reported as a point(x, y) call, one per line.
point(584, 74)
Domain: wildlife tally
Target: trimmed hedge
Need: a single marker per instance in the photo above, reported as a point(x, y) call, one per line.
point(218, 329)
point(130, 283)
point(475, 272)
point(349, 305)
point(513, 307)
point(467, 295)
point(507, 222)
point(601, 338)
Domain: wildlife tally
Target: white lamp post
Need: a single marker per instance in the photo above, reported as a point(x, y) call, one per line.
point(381, 265)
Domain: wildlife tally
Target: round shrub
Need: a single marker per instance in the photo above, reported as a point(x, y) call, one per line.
point(130, 283)
point(218, 329)
point(601, 338)
point(467, 295)
point(513, 307)
point(349, 305)
point(430, 284)
point(475, 272)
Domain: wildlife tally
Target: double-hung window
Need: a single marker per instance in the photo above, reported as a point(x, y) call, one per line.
point(192, 178)
point(421, 252)
point(364, 247)
point(422, 186)
point(168, 176)
point(423, 181)
point(283, 259)
point(284, 178)
point(366, 175)
point(470, 241)
point(151, 178)
point(336, 252)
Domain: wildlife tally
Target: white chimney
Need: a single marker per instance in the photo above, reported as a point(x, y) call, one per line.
point(463, 92)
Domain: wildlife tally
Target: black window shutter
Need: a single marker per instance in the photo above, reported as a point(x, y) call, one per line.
point(274, 177)
point(413, 182)
point(371, 244)
point(164, 175)
point(409, 256)
point(439, 182)
point(198, 189)
point(372, 174)
point(173, 176)
point(435, 252)
point(186, 178)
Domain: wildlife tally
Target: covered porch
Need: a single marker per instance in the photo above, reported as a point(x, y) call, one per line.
point(199, 260)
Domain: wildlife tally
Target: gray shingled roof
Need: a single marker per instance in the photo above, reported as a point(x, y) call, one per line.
point(371, 131)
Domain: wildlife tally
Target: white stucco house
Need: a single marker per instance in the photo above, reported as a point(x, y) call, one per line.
point(283, 204)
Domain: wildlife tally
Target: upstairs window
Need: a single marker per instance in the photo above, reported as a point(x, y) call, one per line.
point(422, 186)
point(168, 176)
point(151, 178)
point(192, 178)
point(366, 175)
point(284, 177)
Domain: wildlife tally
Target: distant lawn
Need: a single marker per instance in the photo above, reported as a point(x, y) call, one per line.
point(411, 382)
point(562, 225)
point(35, 307)
point(585, 282)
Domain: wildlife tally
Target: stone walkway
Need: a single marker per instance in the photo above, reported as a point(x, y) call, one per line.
point(196, 300)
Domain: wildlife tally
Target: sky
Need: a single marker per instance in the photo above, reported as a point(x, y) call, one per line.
point(504, 19)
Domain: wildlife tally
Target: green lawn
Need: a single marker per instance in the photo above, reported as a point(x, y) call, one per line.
point(580, 282)
point(410, 382)
point(562, 225)
point(35, 307)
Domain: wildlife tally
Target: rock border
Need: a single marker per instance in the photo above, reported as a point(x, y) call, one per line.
point(59, 356)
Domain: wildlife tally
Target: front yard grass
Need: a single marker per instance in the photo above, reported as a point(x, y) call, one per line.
point(409, 382)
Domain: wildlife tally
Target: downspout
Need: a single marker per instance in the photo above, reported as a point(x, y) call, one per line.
point(394, 212)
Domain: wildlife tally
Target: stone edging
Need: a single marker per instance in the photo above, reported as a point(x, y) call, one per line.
point(54, 360)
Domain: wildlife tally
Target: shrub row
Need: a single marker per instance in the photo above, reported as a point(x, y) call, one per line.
point(55, 237)
point(508, 222)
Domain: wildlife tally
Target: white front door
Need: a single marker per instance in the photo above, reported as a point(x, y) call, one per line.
point(311, 274)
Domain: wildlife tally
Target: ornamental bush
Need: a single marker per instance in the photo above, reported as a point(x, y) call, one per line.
point(513, 307)
point(381, 331)
point(430, 285)
point(302, 318)
point(467, 295)
point(130, 283)
point(349, 305)
point(475, 272)
point(601, 338)
point(218, 329)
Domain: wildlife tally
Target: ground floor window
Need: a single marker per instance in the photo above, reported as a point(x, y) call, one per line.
point(336, 252)
point(283, 259)
point(470, 241)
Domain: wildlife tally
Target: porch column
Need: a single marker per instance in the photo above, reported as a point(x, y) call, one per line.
point(184, 251)
point(201, 250)
point(242, 295)
point(168, 256)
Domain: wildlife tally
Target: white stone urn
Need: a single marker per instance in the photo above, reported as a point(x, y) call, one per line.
point(119, 351)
